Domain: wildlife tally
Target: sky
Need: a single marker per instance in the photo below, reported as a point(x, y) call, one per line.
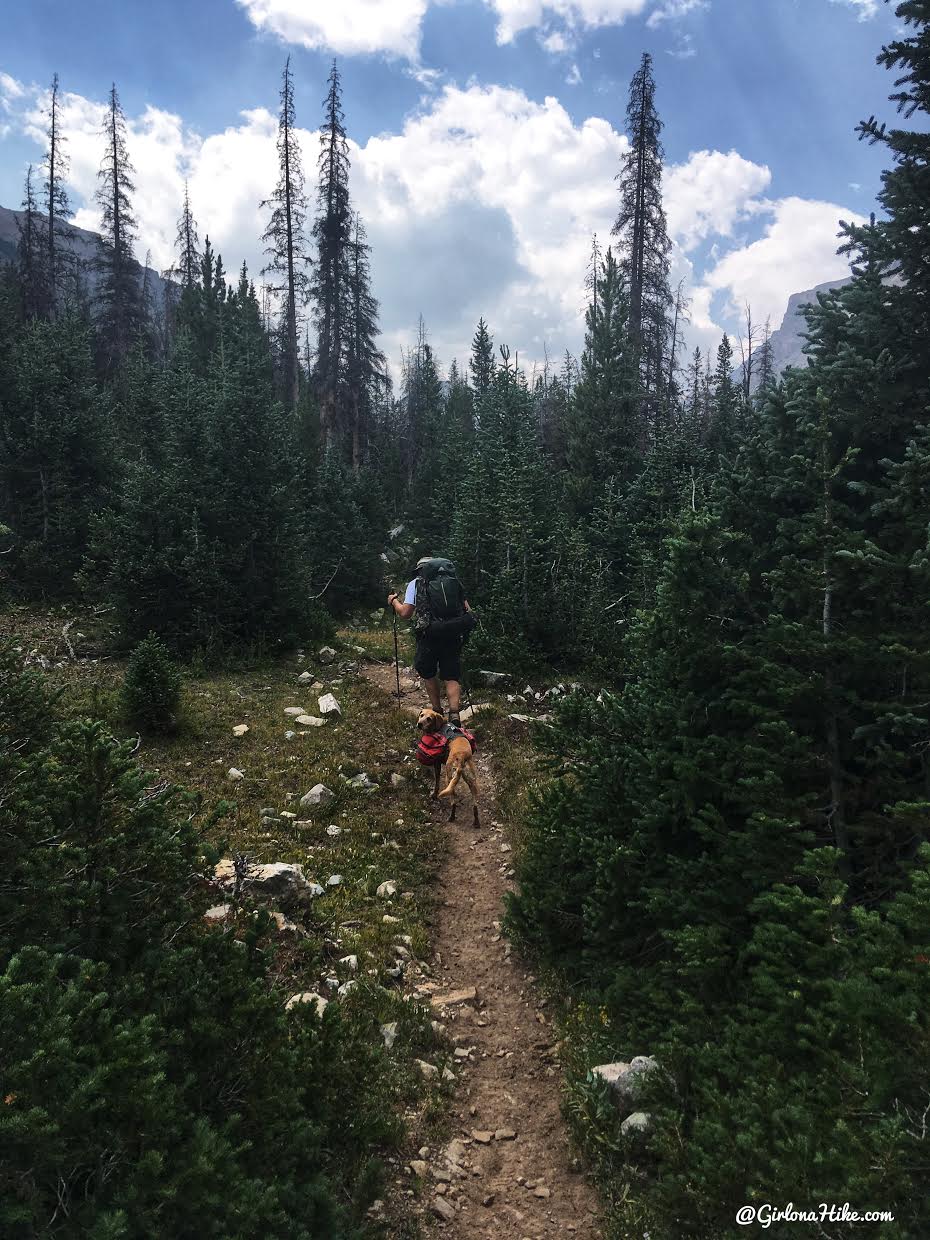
point(485, 136)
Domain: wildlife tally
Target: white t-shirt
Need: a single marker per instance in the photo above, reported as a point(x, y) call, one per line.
point(411, 595)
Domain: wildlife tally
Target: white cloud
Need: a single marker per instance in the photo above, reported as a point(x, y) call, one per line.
point(10, 89)
point(865, 8)
point(514, 16)
point(710, 193)
point(673, 9)
point(797, 251)
point(573, 77)
point(555, 43)
point(349, 27)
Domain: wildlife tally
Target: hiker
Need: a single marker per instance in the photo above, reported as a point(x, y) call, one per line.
point(442, 619)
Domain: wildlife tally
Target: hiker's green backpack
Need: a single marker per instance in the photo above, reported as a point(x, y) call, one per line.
point(439, 594)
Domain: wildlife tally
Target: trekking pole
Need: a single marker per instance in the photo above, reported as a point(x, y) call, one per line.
point(398, 694)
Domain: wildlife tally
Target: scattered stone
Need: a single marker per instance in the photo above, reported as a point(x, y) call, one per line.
point(453, 998)
point(284, 924)
point(295, 710)
point(624, 1078)
point(505, 1134)
point(482, 1136)
point(280, 881)
point(488, 1200)
point(305, 678)
point(639, 1121)
point(388, 919)
point(389, 1034)
point(493, 679)
point(319, 794)
point(350, 962)
point(329, 705)
point(454, 1152)
point(308, 996)
point(521, 718)
point(397, 781)
point(462, 1052)
point(347, 986)
point(289, 735)
point(240, 729)
point(470, 711)
point(326, 654)
point(268, 812)
point(395, 532)
point(419, 1167)
point(387, 889)
point(364, 781)
point(428, 1070)
point(234, 774)
point(310, 721)
point(541, 1191)
point(334, 880)
point(443, 1209)
point(332, 830)
point(286, 813)
point(448, 1075)
point(219, 912)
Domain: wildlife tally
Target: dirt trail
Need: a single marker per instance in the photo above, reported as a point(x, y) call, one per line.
point(525, 1186)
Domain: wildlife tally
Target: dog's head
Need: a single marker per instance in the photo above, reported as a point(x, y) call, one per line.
point(430, 720)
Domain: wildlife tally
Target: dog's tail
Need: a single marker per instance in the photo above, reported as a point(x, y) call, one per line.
point(450, 787)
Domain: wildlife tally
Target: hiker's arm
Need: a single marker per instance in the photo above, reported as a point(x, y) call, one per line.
point(404, 610)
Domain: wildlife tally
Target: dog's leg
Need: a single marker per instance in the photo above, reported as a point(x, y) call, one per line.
point(436, 770)
point(452, 812)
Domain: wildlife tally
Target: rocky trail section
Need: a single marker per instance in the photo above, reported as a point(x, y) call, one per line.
point(508, 1169)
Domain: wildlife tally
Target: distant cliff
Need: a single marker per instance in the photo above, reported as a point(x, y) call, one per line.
point(83, 244)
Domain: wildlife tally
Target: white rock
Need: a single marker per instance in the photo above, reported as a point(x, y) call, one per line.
point(521, 718)
point(219, 912)
point(387, 889)
point(397, 781)
point(319, 794)
point(395, 532)
point(495, 679)
point(305, 678)
point(326, 654)
point(329, 705)
point(470, 711)
point(310, 721)
point(289, 735)
point(443, 1209)
point(333, 830)
point(308, 996)
point(278, 880)
point(334, 880)
point(347, 986)
point(428, 1070)
point(528, 691)
point(637, 1122)
point(295, 710)
point(624, 1078)
point(234, 774)
point(350, 962)
point(389, 1034)
point(240, 729)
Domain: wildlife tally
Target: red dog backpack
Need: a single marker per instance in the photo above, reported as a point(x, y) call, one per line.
point(432, 746)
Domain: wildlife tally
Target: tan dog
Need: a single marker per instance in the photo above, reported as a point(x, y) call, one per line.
point(459, 762)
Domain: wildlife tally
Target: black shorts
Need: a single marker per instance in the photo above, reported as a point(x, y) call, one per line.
point(447, 656)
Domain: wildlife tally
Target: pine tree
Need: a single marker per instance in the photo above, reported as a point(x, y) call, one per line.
point(643, 233)
point(32, 254)
point(332, 231)
point(284, 236)
point(186, 268)
point(603, 426)
point(482, 361)
point(57, 206)
point(119, 305)
point(726, 403)
point(364, 360)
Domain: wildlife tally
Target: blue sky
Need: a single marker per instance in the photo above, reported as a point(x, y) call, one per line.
point(485, 137)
